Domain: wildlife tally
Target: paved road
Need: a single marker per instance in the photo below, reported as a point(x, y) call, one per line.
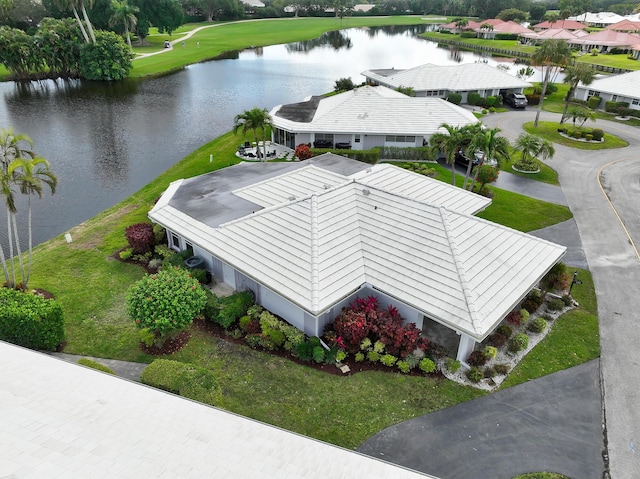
point(607, 217)
point(551, 424)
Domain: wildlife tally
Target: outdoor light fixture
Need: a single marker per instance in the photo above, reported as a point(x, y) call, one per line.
point(574, 281)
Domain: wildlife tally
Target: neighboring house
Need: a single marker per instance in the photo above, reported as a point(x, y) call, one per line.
point(471, 25)
point(623, 88)
point(564, 24)
point(625, 25)
point(598, 19)
point(552, 33)
point(607, 40)
point(309, 237)
point(510, 27)
point(364, 118)
point(439, 81)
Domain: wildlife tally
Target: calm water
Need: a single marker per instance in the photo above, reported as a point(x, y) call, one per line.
point(105, 141)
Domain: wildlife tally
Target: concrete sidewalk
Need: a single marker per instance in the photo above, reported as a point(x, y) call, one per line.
point(124, 369)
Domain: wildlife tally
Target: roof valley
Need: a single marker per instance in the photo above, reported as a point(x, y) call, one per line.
point(469, 297)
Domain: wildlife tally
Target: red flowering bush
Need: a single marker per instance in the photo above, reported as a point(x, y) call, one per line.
point(487, 174)
point(140, 237)
point(364, 318)
point(303, 152)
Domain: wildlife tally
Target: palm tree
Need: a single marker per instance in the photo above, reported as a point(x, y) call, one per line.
point(73, 5)
point(573, 75)
point(450, 143)
point(460, 23)
point(125, 14)
point(30, 175)
point(13, 147)
point(533, 146)
point(492, 145)
point(254, 120)
point(578, 113)
point(551, 55)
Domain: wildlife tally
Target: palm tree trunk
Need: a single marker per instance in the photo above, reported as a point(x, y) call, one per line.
point(18, 250)
point(453, 171)
point(82, 29)
point(468, 174)
point(544, 91)
point(126, 32)
point(12, 280)
point(566, 104)
point(3, 260)
point(25, 279)
point(89, 26)
point(475, 176)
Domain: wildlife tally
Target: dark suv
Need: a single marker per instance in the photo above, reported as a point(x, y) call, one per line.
point(516, 100)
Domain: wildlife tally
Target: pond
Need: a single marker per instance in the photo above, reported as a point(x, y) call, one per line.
point(107, 140)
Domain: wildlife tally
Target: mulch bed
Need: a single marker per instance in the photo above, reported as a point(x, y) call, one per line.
point(218, 331)
point(144, 266)
point(170, 346)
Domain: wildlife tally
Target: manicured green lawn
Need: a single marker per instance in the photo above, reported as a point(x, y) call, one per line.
point(617, 61)
point(514, 210)
point(475, 42)
point(239, 35)
point(549, 131)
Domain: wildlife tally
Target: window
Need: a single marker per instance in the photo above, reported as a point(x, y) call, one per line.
point(175, 241)
point(324, 136)
point(400, 139)
point(357, 138)
point(614, 98)
point(635, 101)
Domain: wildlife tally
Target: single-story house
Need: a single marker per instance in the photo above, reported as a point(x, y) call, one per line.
point(509, 27)
point(606, 40)
point(565, 24)
point(598, 19)
point(309, 237)
point(622, 88)
point(364, 118)
point(552, 33)
point(439, 81)
point(625, 25)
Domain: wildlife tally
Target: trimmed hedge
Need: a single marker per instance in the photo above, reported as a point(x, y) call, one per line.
point(366, 156)
point(233, 308)
point(421, 153)
point(454, 98)
point(184, 379)
point(594, 102)
point(30, 321)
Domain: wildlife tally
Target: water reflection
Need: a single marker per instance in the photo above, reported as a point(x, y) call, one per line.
point(336, 39)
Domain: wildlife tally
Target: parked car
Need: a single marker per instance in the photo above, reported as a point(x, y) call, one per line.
point(462, 159)
point(516, 100)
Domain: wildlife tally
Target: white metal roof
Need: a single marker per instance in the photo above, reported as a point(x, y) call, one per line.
point(378, 110)
point(625, 84)
point(464, 77)
point(381, 228)
point(64, 420)
point(605, 18)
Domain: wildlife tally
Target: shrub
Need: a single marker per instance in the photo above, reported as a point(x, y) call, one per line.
point(388, 360)
point(403, 366)
point(490, 352)
point(166, 301)
point(366, 344)
point(341, 356)
point(505, 330)
point(90, 363)
point(318, 354)
point(184, 379)
point(373, 356)
point(484, 111)
point(533, 99)
point(147, 337)
point(533, 301)
point(454, 98)
point(598, 134)
point(525, 315)
point(30, 321)
point(200, 275)
point(359, 357)
point(611, 106)
point(109, 58)
point(475, 374)
point(163, 250)
point(594, 102)
point(254, 311)
point(233, 308)
point(343, 84)
point(502, 369)
point(303, 152)
point(473, 98)
point(275, 335)
point(159, 234)
point(243, 322)
point(489, 372)
point(518, 343)
point(155, 263)
point(468, 35)
point(477, 358)
point(378, 347)
point(140, 237)
point(558, 277)
point(491, 101)
point(529, 164)
point(304, 350)
point(497, 340)
point(212, 306)
point(452, 364)
point(427, 365)
point(537, 325)
point(588, 137)
point(126, 254)
point(492, 109)
point(547, 317)
point(567, 300)
point(555, 304)
point(330, 355)
point(515, 318)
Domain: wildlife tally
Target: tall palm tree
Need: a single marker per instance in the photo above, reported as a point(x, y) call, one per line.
point(533, 146)
point(13, 147)
point(460, 23)
point(450, 143)
point(254, 120)
point(551, 55)
point(74, 5)
point(125, 14)
point(492, 145)
point(31, 174)
point(573, 75)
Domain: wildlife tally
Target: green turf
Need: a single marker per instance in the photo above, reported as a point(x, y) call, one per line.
point(549, 131)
